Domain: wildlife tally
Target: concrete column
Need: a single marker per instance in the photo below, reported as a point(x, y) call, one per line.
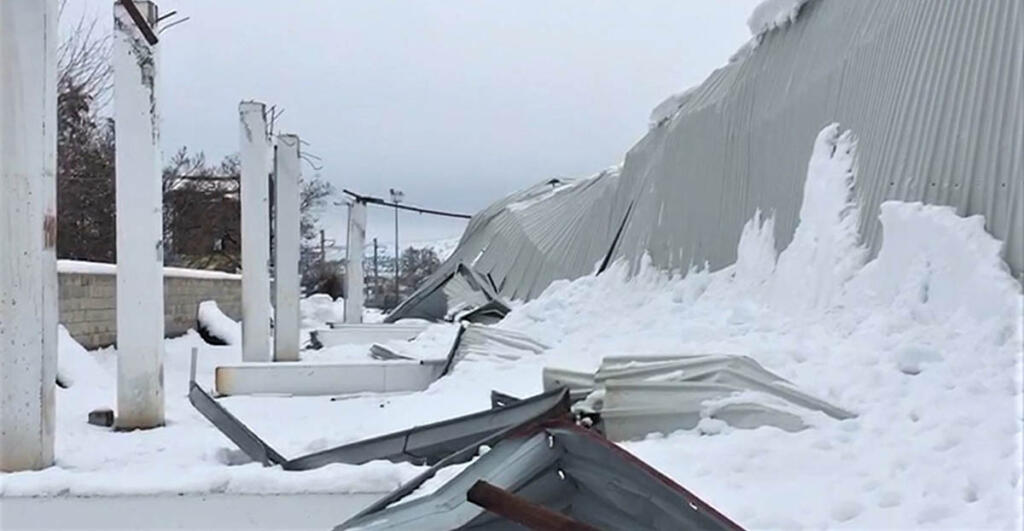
point(255, 159)
point(354, 254)
point(28, 232)
point(286, 257)
point(140, 257)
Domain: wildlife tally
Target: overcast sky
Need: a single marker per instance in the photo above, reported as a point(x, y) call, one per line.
point(456, 102)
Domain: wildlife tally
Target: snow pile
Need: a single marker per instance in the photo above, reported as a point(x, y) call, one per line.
point(217, 328)
point(825, 250)
point(924, 343)
point(771, 14)
point(319, 309)
point(74, 363)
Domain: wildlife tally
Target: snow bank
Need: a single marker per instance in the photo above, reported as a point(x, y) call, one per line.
point(74, 363)
point(216, 327)
point(924, 342)
point(825, 251)
point(320, 309)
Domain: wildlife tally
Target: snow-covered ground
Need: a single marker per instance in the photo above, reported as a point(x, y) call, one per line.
point(924, 343)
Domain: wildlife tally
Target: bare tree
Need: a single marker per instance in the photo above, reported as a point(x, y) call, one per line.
point(83, 60)
point(85, 146)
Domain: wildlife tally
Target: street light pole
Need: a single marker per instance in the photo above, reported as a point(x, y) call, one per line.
point(396, 198)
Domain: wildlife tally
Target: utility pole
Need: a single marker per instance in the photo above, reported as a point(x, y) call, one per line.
point(396, 198)
point(376, 274)
point(28, 230)
point(323, 249)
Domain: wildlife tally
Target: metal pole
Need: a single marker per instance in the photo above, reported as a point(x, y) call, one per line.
point(254, 154)
point(28, 230)
point(323, 249)
point(286, 249)
point(396, 198)
point(376, 274)
point(140, 260)
point(397, 260)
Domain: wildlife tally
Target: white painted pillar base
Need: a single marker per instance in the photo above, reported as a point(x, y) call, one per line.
point(28, 233)
point(286, 258)
point(255, 197)
point(140, 259)
point(354, 271)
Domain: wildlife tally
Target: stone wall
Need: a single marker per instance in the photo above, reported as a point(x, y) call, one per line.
point(88, 299)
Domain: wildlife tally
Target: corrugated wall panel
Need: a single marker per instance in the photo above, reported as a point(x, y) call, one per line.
point(931, 89)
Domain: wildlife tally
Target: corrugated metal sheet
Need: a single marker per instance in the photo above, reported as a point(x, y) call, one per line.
point(933, 90)
point(553, 230)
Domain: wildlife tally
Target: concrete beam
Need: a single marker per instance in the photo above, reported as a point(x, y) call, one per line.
point(365, 334)
point(317, 379)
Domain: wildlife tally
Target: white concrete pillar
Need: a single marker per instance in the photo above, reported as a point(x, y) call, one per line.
point(28, 232)
point(286, 249)
point(140, 256)
point(255, 158)
point(354, 255)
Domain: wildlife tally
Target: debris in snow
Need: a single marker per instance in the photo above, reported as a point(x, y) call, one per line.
point(639, 395)
point(552, 466)
point(103, 417)
point(771, 14)
point(215, 327)
point(910, 359)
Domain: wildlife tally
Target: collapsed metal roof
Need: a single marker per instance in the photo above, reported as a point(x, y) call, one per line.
point(932, 89)
point(428, 444)
point(558, 466)
point(516, 247)
point(633, 396)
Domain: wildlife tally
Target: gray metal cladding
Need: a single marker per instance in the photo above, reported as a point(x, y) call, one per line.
point(558, 229)
point(932, 90)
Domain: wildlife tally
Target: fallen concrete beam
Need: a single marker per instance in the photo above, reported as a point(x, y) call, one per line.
point(365, 334)
point(315, 379)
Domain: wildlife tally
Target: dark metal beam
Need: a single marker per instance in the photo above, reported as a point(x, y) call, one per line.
point(140, 21)
point(520, 510)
